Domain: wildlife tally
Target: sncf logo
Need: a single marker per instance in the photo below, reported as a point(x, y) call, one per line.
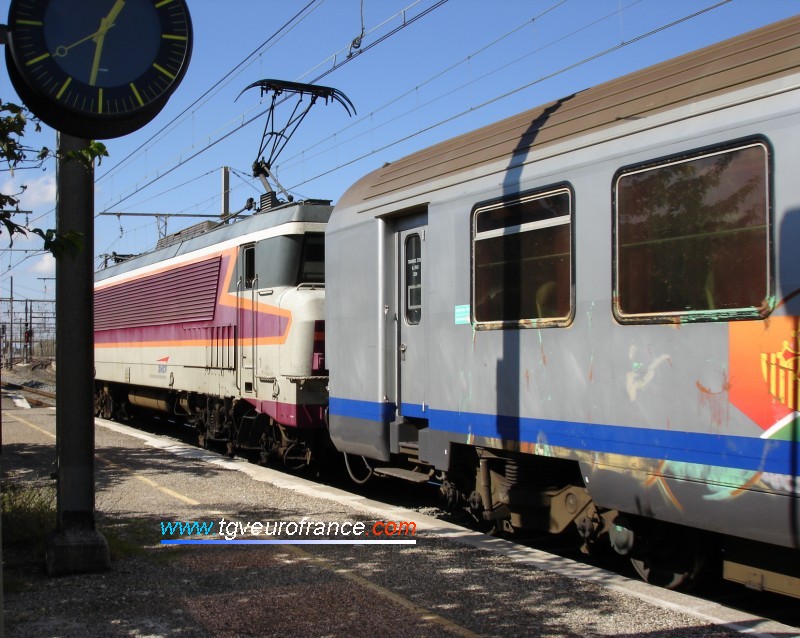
point(162, 365)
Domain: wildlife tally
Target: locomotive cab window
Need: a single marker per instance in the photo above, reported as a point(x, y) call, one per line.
point(312, 266)
point(249, 274)
point(289, 260)
point(522, 261)
point(692, 237)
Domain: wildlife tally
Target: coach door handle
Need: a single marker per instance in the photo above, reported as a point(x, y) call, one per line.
point(402, 351)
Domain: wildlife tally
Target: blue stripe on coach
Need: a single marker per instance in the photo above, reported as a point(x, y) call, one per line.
point(740, 452)
point(367, 410)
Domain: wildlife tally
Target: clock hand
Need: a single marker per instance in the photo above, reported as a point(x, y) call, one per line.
point(108, 22)
point(105, 24)
point(100, 40)
point(62, 51)
point(100, 37)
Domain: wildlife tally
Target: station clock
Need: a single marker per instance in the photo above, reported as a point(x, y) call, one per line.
point(101, 68)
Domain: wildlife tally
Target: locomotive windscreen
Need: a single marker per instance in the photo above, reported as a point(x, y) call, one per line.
point(289, 260)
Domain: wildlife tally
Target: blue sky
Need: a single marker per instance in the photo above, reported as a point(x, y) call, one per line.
point(462, 65)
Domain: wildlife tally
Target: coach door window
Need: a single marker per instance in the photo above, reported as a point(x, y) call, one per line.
point(692, 237)
point(413, 283)
point(522, 261)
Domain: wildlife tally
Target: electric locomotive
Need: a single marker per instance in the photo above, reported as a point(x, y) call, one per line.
point(222, 327)
point(585, 317)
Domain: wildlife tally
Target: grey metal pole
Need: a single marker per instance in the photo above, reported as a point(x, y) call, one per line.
point(76, 546)
point(11, 328)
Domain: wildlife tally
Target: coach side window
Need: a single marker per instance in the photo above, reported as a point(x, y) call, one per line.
point(522, 261)
point(692, 237)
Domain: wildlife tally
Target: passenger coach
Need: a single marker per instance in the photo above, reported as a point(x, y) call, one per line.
point(586, 316)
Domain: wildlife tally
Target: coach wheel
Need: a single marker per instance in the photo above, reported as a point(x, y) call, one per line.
point(671, 566)
point(660, 576)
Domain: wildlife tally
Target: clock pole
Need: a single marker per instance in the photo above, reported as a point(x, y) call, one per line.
point(76, 545)
point(71, 63)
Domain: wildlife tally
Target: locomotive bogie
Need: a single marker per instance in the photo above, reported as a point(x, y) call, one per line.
point(607, 281)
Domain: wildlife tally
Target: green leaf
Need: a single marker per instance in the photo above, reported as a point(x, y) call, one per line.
point(69, 244)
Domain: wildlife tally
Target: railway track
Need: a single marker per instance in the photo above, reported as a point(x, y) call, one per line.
point(35, 396)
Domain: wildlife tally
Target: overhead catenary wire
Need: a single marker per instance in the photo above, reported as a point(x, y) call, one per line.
point(478, 106)
point(177, 186)
point(395, 99)
point(252, 119)
point(337, 65)
point(507, 94)
point(332, 58)
point(565, 69)
point(223, 81)
point(239, 118)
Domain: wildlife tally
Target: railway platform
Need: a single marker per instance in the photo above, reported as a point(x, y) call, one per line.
point(247, 566)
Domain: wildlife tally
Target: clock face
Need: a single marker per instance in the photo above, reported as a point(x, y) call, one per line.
point(108, 64)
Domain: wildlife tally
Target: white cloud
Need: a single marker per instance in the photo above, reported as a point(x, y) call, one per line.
point(43, 265)
point(40, 189)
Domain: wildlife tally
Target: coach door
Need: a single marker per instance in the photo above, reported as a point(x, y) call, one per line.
point(412, 343)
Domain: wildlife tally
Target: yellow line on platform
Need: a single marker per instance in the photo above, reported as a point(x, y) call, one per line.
point(136, 475)
point(150, 482)
point(423, 613)
point(29, 424)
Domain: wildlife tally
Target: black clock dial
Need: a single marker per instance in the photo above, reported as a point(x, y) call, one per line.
point(105, 60)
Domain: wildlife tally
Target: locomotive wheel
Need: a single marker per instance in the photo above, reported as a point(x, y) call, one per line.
point(104, 406)
point(108, 407)
point(295, 457)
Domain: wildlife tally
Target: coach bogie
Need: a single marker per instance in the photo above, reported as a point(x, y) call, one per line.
point(515, 493)
point(524, 493)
